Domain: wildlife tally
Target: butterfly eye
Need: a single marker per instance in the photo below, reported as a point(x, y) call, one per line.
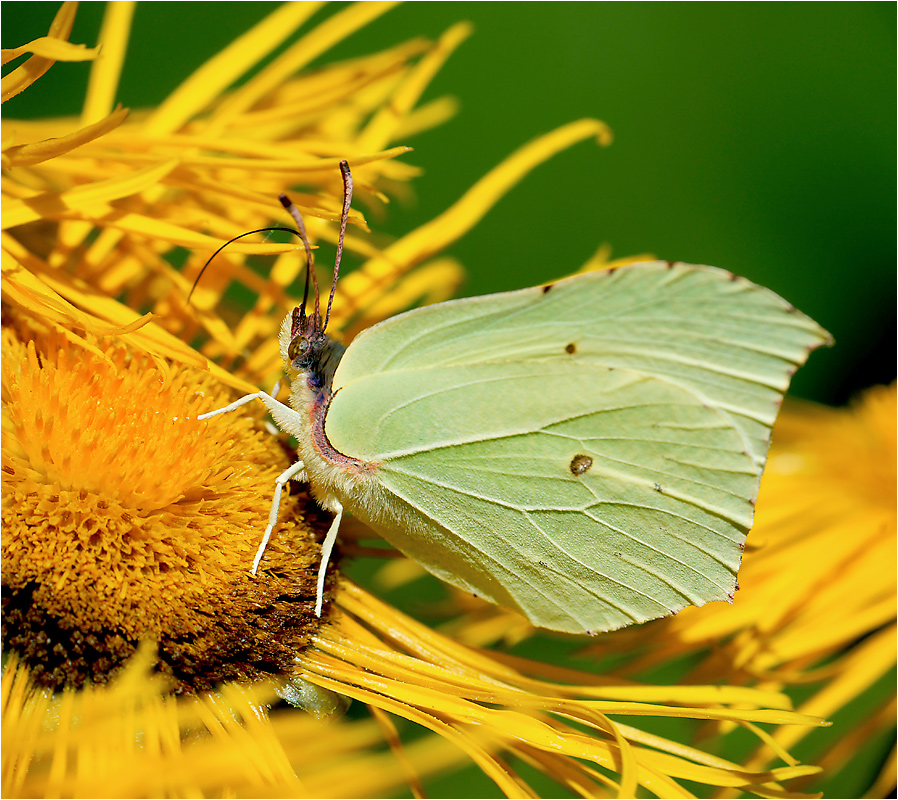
point(299, 348)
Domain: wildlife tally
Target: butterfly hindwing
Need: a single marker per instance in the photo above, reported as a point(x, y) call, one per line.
point(499, 503)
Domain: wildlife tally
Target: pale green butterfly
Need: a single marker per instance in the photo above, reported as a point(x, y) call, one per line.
point(586, 452)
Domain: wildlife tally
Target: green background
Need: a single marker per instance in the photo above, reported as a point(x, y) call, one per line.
point(755, 137)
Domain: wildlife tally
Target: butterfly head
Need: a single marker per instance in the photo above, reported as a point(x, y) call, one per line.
point(308, 350)
point(305, 345)
point(306, 339)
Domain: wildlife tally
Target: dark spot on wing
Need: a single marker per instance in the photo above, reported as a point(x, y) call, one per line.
point(571, 348)
point(580, 464)
point(547, 287)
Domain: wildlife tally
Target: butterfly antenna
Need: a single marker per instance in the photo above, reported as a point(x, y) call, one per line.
point(344, 218)
point(288, 204)
point(231, 241)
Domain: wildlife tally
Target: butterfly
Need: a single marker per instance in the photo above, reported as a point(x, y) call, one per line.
point(587, 452)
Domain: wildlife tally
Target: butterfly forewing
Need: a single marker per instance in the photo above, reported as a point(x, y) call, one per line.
point(587, 499)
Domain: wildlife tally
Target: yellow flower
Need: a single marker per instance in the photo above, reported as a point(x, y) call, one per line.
point(127, 521)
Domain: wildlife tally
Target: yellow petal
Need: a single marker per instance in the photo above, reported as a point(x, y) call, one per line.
point(28, 154)
point(206, 83)
point(870, 660)
point(105, 71)
point(326, 35)
point(52, 49)
point(49, 205)
point(281, 165)
point(379, 132)
point(427, 116)
point(22, 77)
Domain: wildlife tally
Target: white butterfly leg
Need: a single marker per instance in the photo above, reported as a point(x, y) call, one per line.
point(237, 403)
point(290, 419)
point(326, 547)
point(269, 425)
point(279, 483)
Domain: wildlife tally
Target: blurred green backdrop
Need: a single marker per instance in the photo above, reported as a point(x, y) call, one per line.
point(755, 137)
